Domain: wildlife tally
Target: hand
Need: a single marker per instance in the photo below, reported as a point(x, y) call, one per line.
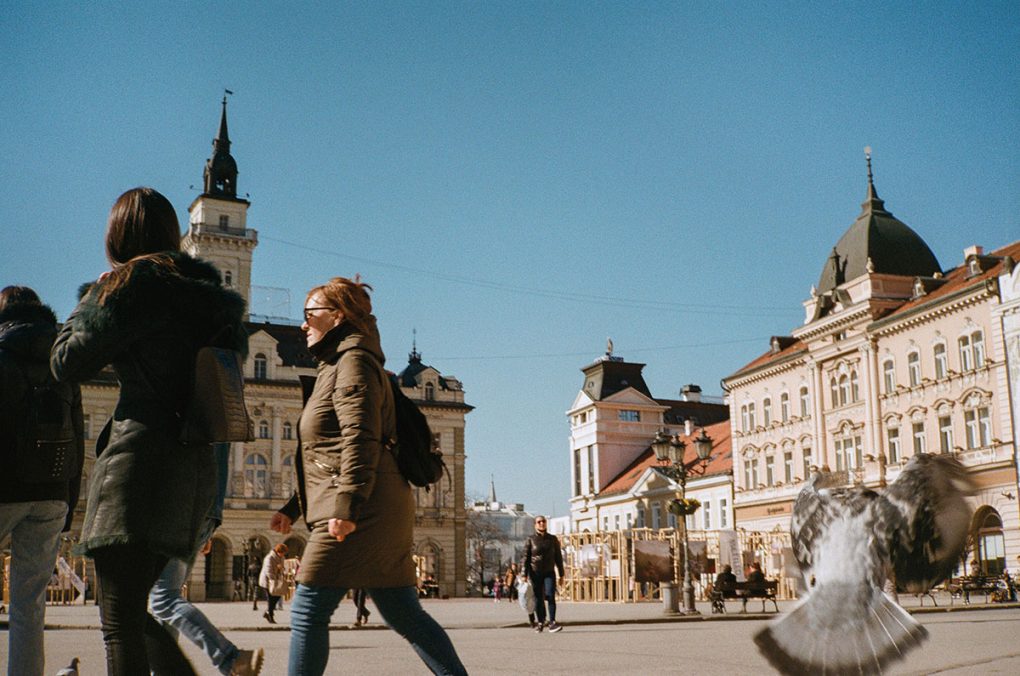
point(206, 548)
point(280, 522)
point(341, 528)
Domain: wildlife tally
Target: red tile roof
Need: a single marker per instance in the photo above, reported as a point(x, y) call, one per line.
point(721, 462)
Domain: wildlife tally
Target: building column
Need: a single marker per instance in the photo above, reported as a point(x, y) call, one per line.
point(821, 443)
point(866, 353)
point(275, 468)
point(237, 476)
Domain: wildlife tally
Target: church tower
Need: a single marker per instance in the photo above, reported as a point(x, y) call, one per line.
point(217, 222)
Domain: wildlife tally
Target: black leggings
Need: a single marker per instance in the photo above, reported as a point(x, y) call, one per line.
point(136, 644)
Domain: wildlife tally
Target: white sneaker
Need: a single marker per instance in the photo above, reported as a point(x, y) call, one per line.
point(553, 628)
point(248, 663)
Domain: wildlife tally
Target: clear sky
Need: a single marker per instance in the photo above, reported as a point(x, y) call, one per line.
point(521, 180)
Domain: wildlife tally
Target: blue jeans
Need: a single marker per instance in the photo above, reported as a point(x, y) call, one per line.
point(544, 585)
point(170, 608)
point(34, 528)
point(312, 607)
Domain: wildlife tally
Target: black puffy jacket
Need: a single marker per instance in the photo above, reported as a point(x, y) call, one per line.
point(542, 555)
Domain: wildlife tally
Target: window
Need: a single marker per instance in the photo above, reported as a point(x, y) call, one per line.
point(616, 522)
point(87, 420)
point(966, 354)
point(770, 471)
point(577, 472)
point(630, 520)
point(288, 431)
point(591, 469)
point(834, 392)
point(224, 222)
point(255, 474)
point(754, 472)
point(941, 363)
point(750, 416)
point(991, 545)
point(723, 516)
point(605, 523)
point(747, 475)
point(844, 389)
point(706, 515)
point(744, 420)
point(914, 368)
point(889, 376)
point(805, 403)
point(641, 517)
point(977, 342)
point(766, 412)
point(920, 445)
point(788, 467)
point(807, 462)
point(228, 278)
point(848, 453)
point(260, 366)
point(671, 521)
point(629, 416)
point(979, 430)
point(784, 407)
point(656, 516)
point(855, 390)
point(430, 391)
point(287, 476)
point(945, 433)
point(893, 440)
point(263, 429)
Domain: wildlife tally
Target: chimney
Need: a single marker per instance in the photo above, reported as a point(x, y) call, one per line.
point(974, 250)
point(691, 393)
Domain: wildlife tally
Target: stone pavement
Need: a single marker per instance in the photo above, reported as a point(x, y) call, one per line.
point(598, 639)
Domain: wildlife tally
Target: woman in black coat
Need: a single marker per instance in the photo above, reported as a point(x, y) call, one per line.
point(148, 492)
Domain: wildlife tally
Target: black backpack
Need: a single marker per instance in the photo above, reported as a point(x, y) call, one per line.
point(46, 449)
point(418, 459)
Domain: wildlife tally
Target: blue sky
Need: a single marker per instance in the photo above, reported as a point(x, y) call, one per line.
point(521, 180)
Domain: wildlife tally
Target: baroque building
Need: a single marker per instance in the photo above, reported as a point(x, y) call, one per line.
point(613, 420)
point(261, 472)
point(896, 356)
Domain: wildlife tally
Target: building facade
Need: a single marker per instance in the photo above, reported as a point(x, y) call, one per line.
point(262, 471)
point(896, 356)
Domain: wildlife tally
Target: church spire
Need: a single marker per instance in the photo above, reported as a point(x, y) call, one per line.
point(492, 489)
point(221, 169)
point(872, 202)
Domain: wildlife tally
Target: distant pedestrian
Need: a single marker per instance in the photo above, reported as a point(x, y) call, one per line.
point(543, 558)
point(510, 582)
point(34, 508)
point(361, 613)
point(272, 579)
point(497, 590)
point(356, 503)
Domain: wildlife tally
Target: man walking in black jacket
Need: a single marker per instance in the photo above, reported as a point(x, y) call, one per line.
point(542, 561)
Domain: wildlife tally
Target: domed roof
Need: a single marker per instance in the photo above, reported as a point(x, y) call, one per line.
point(877, 242)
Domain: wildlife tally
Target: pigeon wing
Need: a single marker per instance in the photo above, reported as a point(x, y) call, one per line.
point(929, 518)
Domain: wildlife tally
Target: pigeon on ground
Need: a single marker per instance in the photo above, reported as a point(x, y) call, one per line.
point(848, 541)
point(71, 669)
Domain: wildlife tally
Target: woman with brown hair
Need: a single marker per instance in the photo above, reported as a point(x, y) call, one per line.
point(357, 505)
point(148, 492)
point(272, 578)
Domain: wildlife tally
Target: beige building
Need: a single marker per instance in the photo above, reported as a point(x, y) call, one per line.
point(896, 356)
point(261, 472)
point(613, 420)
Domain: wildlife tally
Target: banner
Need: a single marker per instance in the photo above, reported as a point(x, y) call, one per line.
point(653, 561)
point(729, 553)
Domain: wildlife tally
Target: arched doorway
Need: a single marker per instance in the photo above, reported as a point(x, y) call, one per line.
point(989, 543)
point(218, 570)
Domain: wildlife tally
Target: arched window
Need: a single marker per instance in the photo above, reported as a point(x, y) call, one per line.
point(889, 376)
point(256, 475)
point(914, 368)
point(261, 372)
point(766, 412)
point(855, 390)
point(263, 429)
point(288, 431)
point(744, 426)
point(834, 391)
point(805, 403)
point(844, 390)
point(978, 425)
point(287, 476)
point(750, 415)
point(784, 406)
point(941, 363)
point(430, 392)
point(966, 354)
point(977, 342)
point(991, 544)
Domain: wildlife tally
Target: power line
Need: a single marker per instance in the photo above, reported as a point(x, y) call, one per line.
point(713, 309)
point(559, 355)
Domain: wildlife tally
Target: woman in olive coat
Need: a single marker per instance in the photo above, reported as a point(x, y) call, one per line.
point(355, 502)
point(148, 493)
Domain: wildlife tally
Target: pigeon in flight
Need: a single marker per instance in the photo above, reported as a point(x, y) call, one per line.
point(848, 542)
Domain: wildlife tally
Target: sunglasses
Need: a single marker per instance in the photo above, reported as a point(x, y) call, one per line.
point(310, 310)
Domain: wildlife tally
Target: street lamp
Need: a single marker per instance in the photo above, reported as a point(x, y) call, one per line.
point(671, 450)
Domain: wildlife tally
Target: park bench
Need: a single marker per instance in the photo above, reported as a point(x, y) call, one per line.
point(973, 584)
point(766, 591)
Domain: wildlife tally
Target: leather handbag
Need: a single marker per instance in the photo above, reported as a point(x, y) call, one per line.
point(216, 411)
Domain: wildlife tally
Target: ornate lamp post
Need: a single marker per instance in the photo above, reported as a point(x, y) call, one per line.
point(671, 450)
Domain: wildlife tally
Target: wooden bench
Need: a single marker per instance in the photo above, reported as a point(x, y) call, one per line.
point(766, 591)
point(973, 584)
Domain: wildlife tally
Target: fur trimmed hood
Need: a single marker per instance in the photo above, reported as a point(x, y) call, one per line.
point(28, 330)
point(189, 290)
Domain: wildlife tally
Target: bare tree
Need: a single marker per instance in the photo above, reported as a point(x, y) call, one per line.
point(482, 535)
